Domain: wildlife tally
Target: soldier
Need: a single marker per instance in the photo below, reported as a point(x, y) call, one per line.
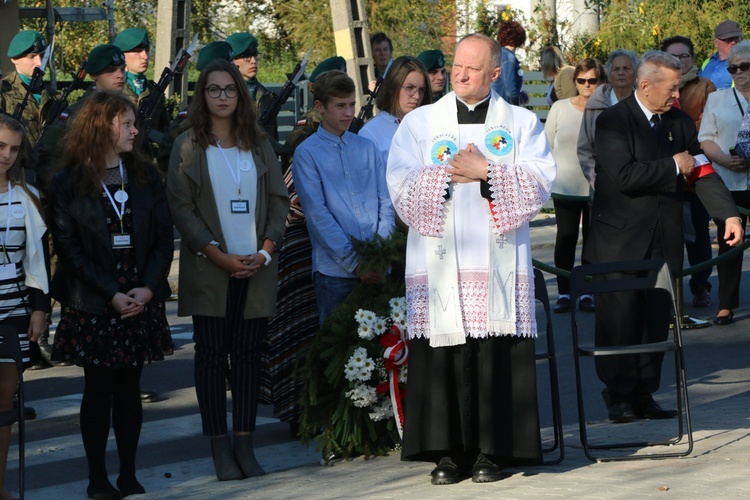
point(25, 52)
point(434, 62)
point(305, 127)
point(135, 45)
point(246, 57)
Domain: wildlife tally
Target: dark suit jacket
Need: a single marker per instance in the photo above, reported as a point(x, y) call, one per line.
point(638, 191)
point(85, 277)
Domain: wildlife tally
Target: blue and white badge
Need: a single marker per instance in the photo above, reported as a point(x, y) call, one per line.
point(499, 142)
point(442, 151)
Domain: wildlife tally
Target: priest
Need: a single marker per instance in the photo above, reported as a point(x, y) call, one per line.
point(467, 174)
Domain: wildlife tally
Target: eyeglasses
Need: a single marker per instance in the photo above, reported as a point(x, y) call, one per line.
point(682, 56)
point(590, 81)
point(249, 55)
point(214, 92)
point(411, 90)
point(733, 39)
point(732, 68)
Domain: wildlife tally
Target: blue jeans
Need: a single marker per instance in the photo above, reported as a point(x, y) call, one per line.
point(330, 291)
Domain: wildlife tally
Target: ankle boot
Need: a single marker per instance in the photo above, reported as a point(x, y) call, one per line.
point(221, 451)
point(245, 456)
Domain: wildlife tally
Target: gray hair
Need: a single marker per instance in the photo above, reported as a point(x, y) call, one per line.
point(739, 51)
point(653, 61)
point(617, 53)
point(495, 50)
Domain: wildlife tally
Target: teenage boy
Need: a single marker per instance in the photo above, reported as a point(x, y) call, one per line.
point(340, 180)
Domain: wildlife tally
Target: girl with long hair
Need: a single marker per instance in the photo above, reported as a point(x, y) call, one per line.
point(405, 88)
point(114, 239)
point(229, 203)
point(24, 292)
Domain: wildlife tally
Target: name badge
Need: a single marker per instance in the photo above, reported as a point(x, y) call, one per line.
point(18, 211)
point(7, 272)
point(240, 206)
point(121, 241)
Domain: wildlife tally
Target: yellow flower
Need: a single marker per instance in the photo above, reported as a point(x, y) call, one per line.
point(507, 7)
point(597, 42)
point(505, 17)
point(656, 30)
point(642, 8)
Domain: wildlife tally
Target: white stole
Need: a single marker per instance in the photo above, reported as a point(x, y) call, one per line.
point(446, 321)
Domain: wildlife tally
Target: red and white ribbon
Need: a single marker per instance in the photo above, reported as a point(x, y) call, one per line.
point(397, 354)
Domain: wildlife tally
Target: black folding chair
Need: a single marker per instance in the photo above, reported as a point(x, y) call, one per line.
point(641, 275)
point(540, 293)
point(10, 348)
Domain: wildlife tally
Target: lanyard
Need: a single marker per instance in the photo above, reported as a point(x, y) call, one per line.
point(122, 197)
point(7, 221)
point(738, 102)
point(235, 177)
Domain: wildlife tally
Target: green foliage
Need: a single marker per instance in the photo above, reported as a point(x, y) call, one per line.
point(328, 415)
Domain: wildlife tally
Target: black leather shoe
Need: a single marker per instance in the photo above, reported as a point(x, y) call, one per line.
point(724, 320)
point(446, 472)
point(649, 409)
point(562, 305)
point(621, 412)
point(148, 396)
point(484, 471)
point(586, 304)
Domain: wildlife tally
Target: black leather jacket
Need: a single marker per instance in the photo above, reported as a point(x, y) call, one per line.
point(85, 277)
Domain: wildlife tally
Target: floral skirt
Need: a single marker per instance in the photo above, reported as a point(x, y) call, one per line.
point(107, 341)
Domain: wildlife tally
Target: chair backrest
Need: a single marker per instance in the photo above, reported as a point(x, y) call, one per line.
point(10, 345)
point(540, 288)
point(646, 275)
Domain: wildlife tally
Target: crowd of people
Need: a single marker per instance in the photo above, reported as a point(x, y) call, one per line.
point(266, 229)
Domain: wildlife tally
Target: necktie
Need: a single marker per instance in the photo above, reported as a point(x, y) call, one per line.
point(656, 125)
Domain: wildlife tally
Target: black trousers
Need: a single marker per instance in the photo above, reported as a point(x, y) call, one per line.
point(730, 271)
point(568, 215)
point(631, 318)
point(221, 342)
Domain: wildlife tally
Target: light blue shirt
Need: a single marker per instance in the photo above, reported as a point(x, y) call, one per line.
point(716, 71)
point(341, 186)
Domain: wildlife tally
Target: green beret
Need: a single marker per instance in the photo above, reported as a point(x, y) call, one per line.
point(243, 43)
point(212, 52)
point(103, 56)
point(432, 59)
point(132, 39)
point(330, 64)
point(25, 42)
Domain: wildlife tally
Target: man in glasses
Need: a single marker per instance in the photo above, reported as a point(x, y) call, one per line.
point(726, 35)
point(434, 63)
point(246, 57)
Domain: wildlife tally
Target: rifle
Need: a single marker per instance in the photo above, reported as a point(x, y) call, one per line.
point(61, 103)
point(151, 105)
point(366, 109)
point(36, 84)
point(272, 111)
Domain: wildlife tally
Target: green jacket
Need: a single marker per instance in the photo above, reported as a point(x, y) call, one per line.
point(302, 130)
point(34, 116)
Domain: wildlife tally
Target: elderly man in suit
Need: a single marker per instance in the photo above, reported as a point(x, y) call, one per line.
point(645, 155)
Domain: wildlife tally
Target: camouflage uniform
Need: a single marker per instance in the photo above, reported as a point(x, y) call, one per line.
point(34, 115)
point(302, 130)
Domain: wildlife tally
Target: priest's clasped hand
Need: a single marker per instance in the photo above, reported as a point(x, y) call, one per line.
point(468, 165)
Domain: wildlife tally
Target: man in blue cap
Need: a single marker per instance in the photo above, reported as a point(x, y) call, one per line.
point(434, 63)
point(246, 57)
point(25, 51)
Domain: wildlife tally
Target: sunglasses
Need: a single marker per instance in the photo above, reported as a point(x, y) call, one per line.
point(590, 81)
point(734, 67)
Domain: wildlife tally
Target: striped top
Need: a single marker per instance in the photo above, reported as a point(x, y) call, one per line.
point(13, 292)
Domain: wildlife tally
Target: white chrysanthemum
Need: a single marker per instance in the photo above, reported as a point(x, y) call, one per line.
point(362, 396)
point(360, 315)
point(379, 326)
point(403, 374)
point(369, 316)
point(368, 365)
point(358, 357)
point(365, 331)
point(351, 373)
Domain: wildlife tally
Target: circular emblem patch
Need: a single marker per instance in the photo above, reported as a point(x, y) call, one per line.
point(499, 142)
point(443, 150)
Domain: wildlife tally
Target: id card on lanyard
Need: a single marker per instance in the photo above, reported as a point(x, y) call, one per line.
point(238, 206)
point(121, 240)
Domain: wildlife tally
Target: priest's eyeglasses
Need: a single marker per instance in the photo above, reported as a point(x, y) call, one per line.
point(411, 90)
point(214, 91)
